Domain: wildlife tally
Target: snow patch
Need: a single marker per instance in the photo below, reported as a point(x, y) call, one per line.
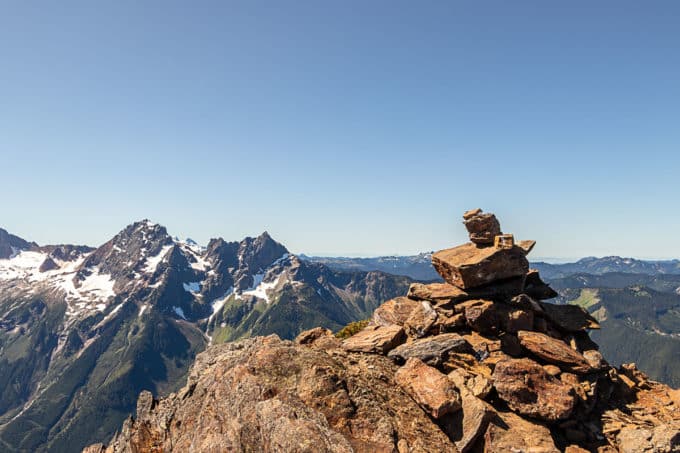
point(153, 261)
point(217, 304)
point(179, 312)
point(142, 310)
point(21, 265)
point(260, 291)
point(192, 287)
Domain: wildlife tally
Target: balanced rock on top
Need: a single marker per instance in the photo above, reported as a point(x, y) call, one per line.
point(482, 227)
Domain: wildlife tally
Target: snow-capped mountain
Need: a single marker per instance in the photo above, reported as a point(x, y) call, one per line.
point(84, 329)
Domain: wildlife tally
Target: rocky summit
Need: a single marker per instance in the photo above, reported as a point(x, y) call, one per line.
point(481, 363)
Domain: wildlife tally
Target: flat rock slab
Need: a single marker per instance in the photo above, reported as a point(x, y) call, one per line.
point(444, 293)
point(469, 266)
point(436, 292)
point(530, 390)
point(395, 311)
point(431, 350)
point(375, 339)
point(510, 433)
point(554, 351)
point(570, 318)
point(430, 388)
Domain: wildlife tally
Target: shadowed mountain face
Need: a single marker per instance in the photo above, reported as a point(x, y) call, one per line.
point(83, 331)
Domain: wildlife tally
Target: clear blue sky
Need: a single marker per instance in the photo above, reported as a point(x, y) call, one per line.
point(353, 127)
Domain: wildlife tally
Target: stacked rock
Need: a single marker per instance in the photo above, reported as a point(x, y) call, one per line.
point(492, 363)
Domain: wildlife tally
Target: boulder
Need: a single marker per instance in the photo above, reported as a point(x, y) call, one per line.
point(395, 311)
point(510, 433)
point(482, 227)
point(482, 317)
point(431, 350)
point(431, 389)
point(468, 266)
point(570, 318)
point(420, 320)
point(554, 351)
point(376, 339)
point(529, 390)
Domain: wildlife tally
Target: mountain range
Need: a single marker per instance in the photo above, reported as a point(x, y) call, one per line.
point(420, 267)
point(83, 330)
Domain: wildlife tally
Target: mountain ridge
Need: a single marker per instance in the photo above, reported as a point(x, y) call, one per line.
point(84, 330)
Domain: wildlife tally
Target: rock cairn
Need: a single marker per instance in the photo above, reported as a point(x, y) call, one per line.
point(499, 369)
point(480, 363)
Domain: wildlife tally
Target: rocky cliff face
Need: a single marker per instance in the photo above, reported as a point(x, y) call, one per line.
point(480, 363)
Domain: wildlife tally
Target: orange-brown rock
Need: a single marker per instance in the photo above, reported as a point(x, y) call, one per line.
point(554, 351)
point(464, 427)
point(527, 245)
point(510, 433)
point(431, 389)
point(482, 227)
point(452, 323)
point(570, 318)
point(318, 337)
point(528, 389)
point(468, 266)
point(436, 292)
point(445, 293)
point(482, 317)
point(376, 339)
point(264, 394)
point(480, 386)
point(394, 312)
